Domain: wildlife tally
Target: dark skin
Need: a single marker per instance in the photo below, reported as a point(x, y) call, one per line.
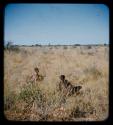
point(62, 78)
point(67, 84)
point(39, 77)
point(36, 70)
point(75, 89)
point(72, 89)
point(60, 84)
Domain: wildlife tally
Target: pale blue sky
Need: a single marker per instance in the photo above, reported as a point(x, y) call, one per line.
point(56, 24)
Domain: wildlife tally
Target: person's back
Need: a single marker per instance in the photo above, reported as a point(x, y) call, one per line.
point(67, 86)
point(74, 90)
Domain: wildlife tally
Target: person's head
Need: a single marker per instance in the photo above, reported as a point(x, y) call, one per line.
point(36, 69)
point(62, 77)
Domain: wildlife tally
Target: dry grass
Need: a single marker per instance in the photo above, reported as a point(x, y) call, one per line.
point(85, 66)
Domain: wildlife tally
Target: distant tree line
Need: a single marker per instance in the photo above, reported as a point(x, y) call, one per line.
point(10, 47)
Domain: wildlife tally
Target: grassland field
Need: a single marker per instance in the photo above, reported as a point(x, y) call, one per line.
point(87, 66)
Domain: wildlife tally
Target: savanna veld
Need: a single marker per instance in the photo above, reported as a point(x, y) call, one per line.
point(27, 99)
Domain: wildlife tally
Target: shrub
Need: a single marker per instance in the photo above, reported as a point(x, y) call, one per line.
point(65, 47)
point(13, 48)
point(89, 47)
point(10, 100)
point(31, 92)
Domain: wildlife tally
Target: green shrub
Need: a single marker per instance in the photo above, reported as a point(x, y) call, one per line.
point(10, 100)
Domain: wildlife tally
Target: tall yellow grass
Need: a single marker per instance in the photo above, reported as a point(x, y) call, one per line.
point(88, 67)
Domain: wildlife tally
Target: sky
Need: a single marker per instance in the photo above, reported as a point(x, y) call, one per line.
point(64, 24)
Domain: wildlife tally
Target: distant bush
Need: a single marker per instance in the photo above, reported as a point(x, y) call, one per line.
point(76, 44)
point(56, 46)
point(89, 47)
point(65, 47)
point(10, 47)
point(13, 48)
point(38, 45)
point(105, 44)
